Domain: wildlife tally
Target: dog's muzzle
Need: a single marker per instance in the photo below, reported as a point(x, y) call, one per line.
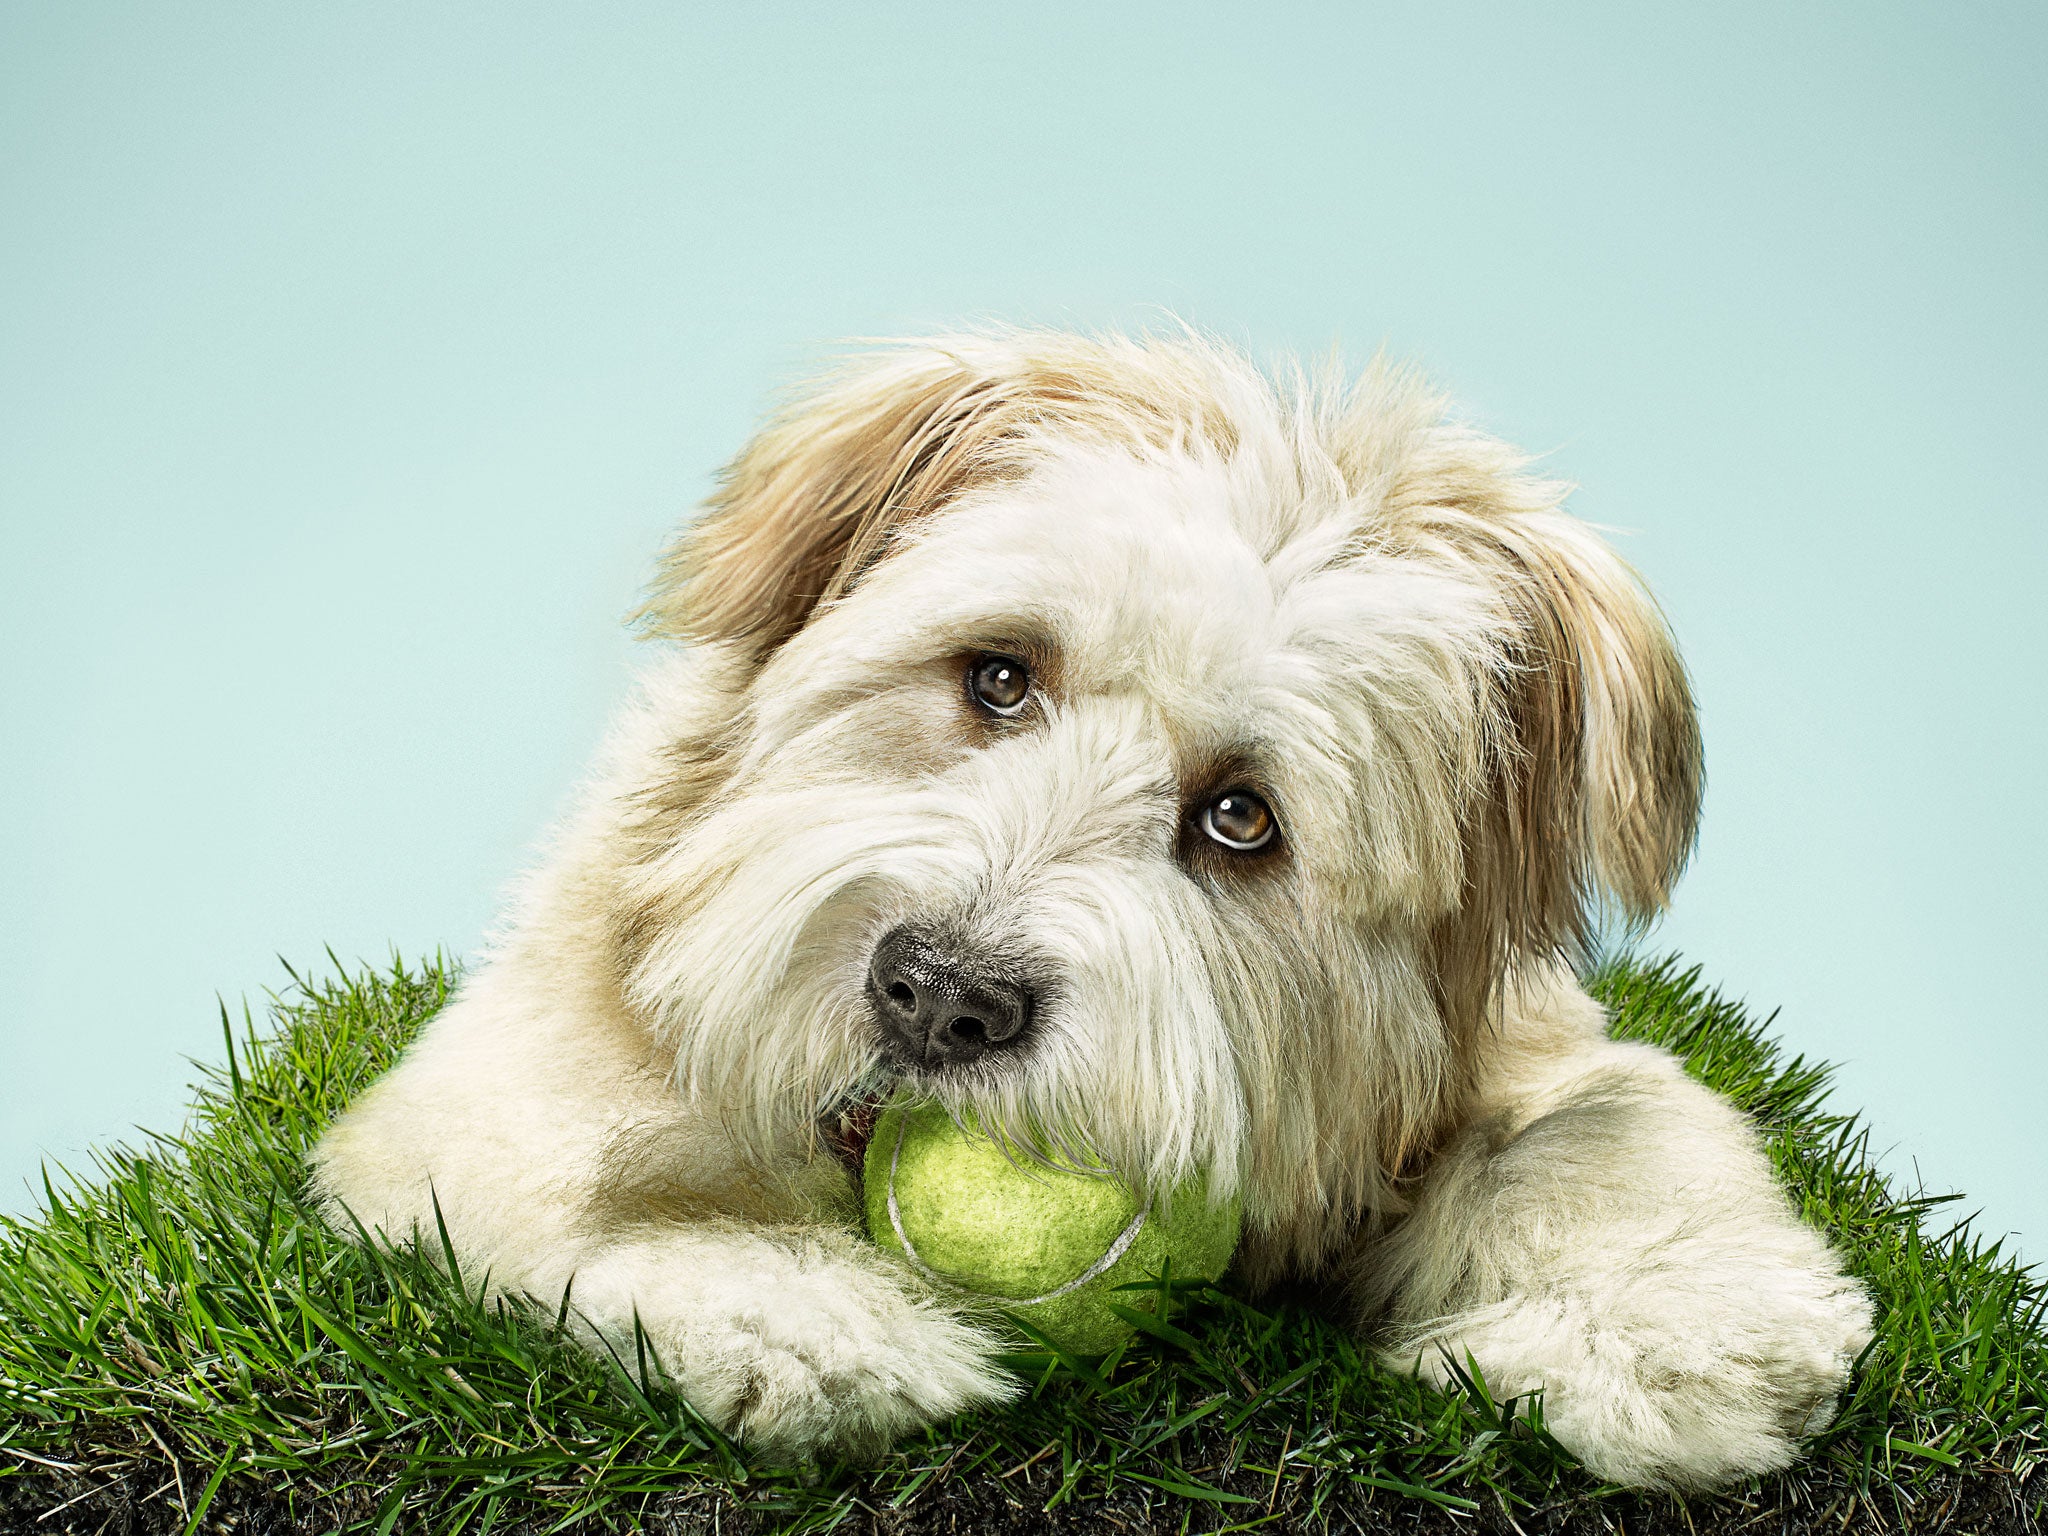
point(940, 1008)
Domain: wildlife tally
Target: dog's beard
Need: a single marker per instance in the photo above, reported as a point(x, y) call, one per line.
point(758, 978)
point(1133, 1067)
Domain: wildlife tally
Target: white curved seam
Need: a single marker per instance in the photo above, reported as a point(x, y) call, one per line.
point(1115, 1251)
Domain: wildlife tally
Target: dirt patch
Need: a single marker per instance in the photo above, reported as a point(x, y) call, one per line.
point(147, 1499)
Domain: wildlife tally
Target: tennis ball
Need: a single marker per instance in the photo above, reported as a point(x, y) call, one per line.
point(1049, 1244)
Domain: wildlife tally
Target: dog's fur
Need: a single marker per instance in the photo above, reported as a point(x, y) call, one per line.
point(1474, 732)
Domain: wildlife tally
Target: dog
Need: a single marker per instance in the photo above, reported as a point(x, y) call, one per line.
point(1214, 772)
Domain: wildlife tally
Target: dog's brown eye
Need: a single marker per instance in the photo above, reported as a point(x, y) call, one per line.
point(999, 683)
point(1238, 820)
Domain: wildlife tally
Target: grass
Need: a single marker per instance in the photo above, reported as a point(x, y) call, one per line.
point(184, 1347)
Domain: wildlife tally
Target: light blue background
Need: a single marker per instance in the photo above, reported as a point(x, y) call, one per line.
point(354, 362)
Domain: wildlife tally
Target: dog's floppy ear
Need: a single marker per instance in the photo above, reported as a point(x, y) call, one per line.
point(1591, 787)
point(812, 498)
point(812, 501)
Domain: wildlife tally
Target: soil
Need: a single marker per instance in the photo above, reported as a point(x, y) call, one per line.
point(148, 1500)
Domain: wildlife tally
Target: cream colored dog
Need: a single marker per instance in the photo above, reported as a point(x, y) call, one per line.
point(1213, 774)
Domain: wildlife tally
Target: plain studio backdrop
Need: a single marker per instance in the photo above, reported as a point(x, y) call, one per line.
point(355, 361)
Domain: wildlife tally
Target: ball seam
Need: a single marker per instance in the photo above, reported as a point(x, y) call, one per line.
point(1101, 1266)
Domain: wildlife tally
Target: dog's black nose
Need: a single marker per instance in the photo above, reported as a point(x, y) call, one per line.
point(938, 1008)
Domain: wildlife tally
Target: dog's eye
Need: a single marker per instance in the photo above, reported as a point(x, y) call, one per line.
point(999, 684)
point(1239, 820)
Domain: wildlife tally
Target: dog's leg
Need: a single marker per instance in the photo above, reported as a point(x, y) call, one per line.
point(1608, 1230)
point(796, 1340)
point(539, 1127)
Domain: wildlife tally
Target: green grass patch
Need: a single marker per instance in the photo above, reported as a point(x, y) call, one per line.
point(185, 1346)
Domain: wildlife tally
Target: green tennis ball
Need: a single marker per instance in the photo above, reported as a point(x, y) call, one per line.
point(1048, 1244)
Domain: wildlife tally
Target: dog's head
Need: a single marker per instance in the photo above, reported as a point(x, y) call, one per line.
point(1167, 765)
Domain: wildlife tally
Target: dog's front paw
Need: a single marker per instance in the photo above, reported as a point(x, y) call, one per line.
point(796, 1345)
point(1697, 1396)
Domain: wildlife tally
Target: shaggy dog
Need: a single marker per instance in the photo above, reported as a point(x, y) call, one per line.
point(1210, 774)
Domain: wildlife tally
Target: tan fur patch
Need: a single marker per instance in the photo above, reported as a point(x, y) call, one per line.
point(814, 499)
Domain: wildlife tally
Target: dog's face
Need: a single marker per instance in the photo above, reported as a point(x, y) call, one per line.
point(1157, 774)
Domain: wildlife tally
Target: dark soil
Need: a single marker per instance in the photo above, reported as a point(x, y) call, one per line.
point(147, 1499)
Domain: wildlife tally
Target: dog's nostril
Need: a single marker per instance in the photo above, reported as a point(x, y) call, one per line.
point(935, 1009)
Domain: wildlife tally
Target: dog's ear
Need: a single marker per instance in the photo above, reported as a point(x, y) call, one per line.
point(812, 499)
point(1590, 793)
